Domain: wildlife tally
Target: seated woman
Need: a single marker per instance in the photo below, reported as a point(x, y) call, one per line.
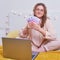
point(42, 35)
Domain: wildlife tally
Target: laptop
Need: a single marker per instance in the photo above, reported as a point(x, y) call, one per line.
point(18, 49)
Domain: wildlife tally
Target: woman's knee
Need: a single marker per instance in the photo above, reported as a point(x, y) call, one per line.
point(52, 45)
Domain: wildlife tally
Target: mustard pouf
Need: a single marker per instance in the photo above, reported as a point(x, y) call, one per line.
point(51, 55)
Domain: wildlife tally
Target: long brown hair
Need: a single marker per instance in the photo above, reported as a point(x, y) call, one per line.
point(44, 17)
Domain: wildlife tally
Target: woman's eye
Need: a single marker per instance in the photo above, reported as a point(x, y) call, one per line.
point(39, 9)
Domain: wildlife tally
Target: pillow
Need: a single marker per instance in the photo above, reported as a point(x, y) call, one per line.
point(51, 55)
point(13, 34)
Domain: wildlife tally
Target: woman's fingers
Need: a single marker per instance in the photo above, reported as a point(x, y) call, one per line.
point(33, 25)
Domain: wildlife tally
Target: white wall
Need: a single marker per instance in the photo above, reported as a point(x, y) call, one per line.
point(25, 7)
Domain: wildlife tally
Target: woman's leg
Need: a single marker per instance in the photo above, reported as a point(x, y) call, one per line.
point(52, 45)
point(42, 49)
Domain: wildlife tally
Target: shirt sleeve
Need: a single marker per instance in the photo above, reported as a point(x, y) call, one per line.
point(50, 33)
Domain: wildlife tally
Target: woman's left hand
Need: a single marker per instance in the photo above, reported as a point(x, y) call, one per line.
point(34, 26)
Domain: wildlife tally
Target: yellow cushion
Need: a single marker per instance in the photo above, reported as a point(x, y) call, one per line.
point(51, 55)
point(13, 34)
point(0, 47)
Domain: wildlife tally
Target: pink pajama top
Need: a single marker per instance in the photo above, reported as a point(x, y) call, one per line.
point(38, 38)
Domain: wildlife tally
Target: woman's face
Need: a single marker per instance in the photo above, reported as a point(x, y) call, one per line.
point(39, 11)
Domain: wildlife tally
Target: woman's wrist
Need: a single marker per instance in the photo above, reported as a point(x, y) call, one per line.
point(42, 31)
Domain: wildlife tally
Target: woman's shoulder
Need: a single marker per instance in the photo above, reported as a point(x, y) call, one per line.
point(48, 21)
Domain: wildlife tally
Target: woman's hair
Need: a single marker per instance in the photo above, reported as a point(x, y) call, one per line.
point(44, 17)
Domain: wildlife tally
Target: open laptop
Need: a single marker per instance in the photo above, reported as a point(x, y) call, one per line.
point(18, 49)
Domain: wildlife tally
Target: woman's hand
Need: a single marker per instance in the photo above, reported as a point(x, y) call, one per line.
point(34, 26)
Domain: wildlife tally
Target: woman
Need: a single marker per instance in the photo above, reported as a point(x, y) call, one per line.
point(42, 35)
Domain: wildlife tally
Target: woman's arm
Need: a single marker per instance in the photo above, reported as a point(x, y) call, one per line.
point(37, 27)
point(24, 32)
point(49, 34)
